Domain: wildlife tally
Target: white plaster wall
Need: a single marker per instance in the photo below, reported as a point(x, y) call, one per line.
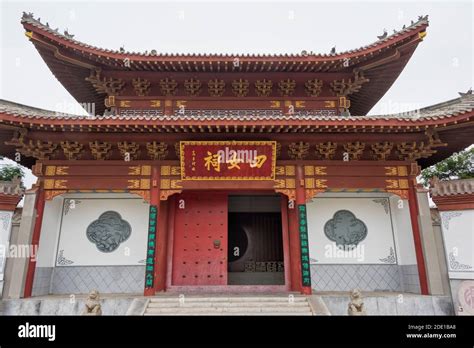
point(49, 232)
point(67, 232)
point(403, 231)
point(77, 248)
point(378, 242)
point(5, 229)
point(458, 234)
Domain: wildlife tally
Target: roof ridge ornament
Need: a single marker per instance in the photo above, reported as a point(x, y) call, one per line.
point(27, 15)
point(466, 94)
point(422, 18)
point(67, 34)
point(383, 36)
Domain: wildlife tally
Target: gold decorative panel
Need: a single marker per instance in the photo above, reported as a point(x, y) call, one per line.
point(402, 171)
point(62, 170)
point(290, 183)
point(135, 170)
point(133, 184)
point(145, 184)
point(60, 184)
point(290, 170)
point(309, 183)
point(279, 183)
point(165, 170)
point(176, 184)
point(49, 184)
point(391, 184)
point(146, 170)
point(390, 171)
point(321, 183)
point(50, 170)
point(308, 170)
point(165, 183)
point(403, 183)
point(320, 171)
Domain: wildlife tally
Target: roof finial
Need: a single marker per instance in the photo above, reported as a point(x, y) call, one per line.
point(383, 36)
point(122, 49)
point(28, 15)
point(333, 50)
point(469, 92)
point(69, 36)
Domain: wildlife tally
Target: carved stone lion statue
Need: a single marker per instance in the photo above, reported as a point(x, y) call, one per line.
point(356, 306)
point(92, 306)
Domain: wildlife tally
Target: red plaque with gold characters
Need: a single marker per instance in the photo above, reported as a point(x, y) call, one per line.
point(228, 160)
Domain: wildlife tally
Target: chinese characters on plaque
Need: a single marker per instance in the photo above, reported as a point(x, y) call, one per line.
point(228, 160)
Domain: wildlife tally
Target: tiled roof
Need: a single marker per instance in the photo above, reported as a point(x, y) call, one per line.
point(22, 110)
point(28, 18)
point(452, 187)
point(450, 108)
point(381, 62)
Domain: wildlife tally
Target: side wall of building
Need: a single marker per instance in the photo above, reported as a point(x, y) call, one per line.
point(92, 241)
point(20, 238)
point(458, 234)
point(6, 218)
point(384, 258)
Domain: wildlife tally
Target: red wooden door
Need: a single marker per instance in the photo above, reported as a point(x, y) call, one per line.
point(200, 239)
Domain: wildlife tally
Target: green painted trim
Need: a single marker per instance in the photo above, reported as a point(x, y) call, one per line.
point(151, 246)
point(304, 244)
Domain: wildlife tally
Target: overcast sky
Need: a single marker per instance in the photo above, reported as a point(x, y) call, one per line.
point(441, 66)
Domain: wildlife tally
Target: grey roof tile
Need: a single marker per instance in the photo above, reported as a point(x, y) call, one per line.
point(452, 187)
point(447, 109)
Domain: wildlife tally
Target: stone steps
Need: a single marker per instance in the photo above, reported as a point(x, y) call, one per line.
point(231, 314)
point(193, 298)
point(225, 304)
point(234, 305)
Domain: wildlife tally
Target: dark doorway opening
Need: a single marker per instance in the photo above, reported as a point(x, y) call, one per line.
point(255, 241)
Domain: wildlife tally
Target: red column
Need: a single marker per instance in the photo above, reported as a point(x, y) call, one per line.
point(161, 262)
point(39, 208)
point(155, 201)
point(171, 203)
point(420, 260)
point(300, 200)
point(295, 251)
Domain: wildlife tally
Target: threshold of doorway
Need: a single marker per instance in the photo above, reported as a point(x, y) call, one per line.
point(228, 289)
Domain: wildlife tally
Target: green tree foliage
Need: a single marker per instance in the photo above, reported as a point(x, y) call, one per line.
point(458, 166)
point(8, 172)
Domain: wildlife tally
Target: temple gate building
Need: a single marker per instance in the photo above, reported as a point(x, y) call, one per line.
point(221, 173)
